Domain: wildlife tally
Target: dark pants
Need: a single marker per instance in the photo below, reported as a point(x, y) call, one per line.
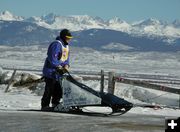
point(53, 89)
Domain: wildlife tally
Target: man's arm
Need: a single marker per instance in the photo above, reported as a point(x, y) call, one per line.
point(53, 54)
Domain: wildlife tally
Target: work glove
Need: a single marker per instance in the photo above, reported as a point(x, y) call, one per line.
point(61, 70)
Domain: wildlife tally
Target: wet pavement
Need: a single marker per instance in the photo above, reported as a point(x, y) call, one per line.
point(25, 121)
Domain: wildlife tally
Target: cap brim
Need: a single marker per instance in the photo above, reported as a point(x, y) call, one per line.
point(69, 37)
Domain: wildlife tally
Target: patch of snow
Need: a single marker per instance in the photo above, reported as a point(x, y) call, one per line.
point(149, 63)
point(149, 27)
point(117, 47)
point(8, 16)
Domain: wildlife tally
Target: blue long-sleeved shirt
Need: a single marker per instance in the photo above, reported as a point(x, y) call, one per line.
point(53, 60)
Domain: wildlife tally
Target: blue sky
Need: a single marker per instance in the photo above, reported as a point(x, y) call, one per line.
point(128, 10)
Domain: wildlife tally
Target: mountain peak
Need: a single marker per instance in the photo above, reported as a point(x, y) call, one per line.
point(8, 16)
point(150, 21)
point(49, 18)
point(118, 24)
point(149, 27)
point(176, 23)
point(7, 13)
point(116, 20)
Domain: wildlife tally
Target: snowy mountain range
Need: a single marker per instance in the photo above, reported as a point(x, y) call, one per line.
point(34, 30)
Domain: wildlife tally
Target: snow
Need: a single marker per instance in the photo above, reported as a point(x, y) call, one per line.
point(8, 16)
point(120, 25)
point(118, 47)
point(149, 27)
point(18, 99)
point(29, 28)
point(150, 64)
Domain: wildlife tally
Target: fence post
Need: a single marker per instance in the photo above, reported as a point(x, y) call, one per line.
point(102, 82)
point(10, 81)
point(111, 82)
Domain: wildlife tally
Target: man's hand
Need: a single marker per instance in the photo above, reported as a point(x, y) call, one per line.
point(61, 70)
point(66, 67)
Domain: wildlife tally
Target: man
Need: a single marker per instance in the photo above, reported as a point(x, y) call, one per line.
point(57, 60)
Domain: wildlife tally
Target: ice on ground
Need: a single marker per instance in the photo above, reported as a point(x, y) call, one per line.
point(23, 98)
point(152, 63)
point(18, 99)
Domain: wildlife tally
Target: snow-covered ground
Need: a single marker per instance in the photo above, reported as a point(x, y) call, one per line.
point(83, 59)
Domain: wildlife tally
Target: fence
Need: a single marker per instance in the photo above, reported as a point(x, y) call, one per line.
point(112, 78)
